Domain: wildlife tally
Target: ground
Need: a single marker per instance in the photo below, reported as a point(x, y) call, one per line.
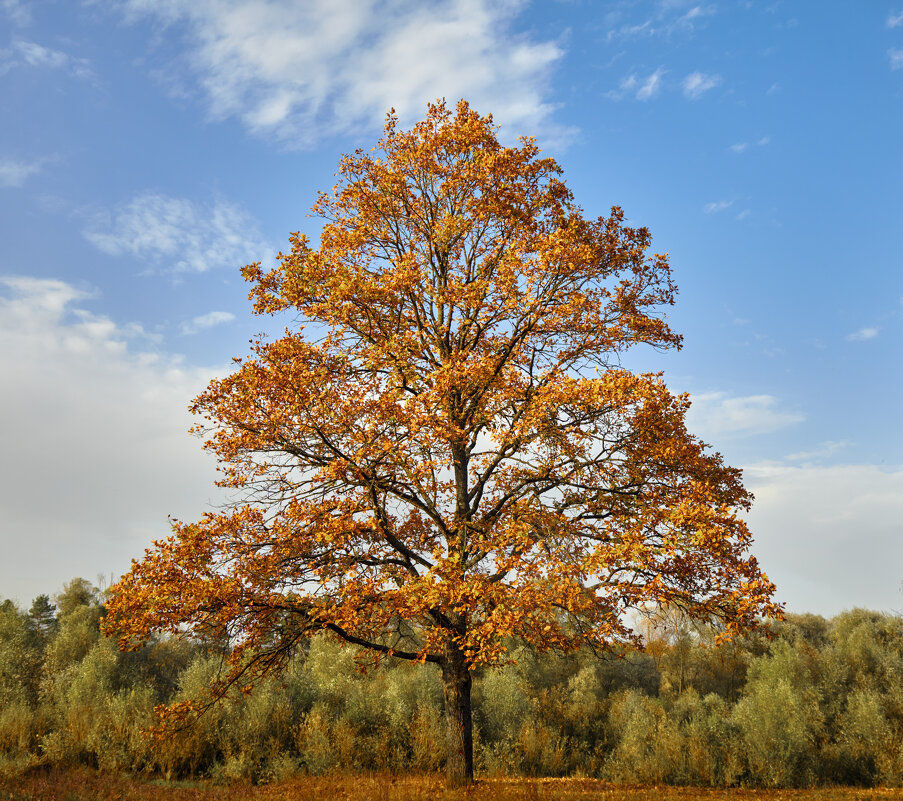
point(83, 785)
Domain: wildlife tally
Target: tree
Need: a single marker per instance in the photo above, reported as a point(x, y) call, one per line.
point(444, 451)
point(20, 657)
point(77, 593)
point(43, 616)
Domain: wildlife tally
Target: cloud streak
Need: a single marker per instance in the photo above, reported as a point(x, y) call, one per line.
point(205, 321)
point(742, 147)
point(298, 72)
point(14, 173)
point(716, 415)
point(16, 11)
point(178, 235)
point(716, 206)
point(825, 450)
point(31, 54)
point(650, 86)
point(666, 21)
point(863, 334)
point(696, 84)
point(640, 88)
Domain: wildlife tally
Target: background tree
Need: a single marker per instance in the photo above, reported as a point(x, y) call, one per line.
point(449, 453)
point(43, 616)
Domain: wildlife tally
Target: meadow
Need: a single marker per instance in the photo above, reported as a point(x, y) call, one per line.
point(87, 785)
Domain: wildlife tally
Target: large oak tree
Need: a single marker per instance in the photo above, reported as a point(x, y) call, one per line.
point(444, 450)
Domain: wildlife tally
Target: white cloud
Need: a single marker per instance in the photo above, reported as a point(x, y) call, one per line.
point(740, 147)
point(896, 59)
point(744, 214)
point(95, 453)
point(893, 20)
point(650, 86)
point(207, 321)
point(719, 205)
point(302, 71)
point(641, 88)
point(666, 20)
point(179, 235)
point(695, 13)
point(17, 11)
point(823, 451)
point(715, 415)
point(15, 173)
point(829, 536)
point(627, 86)
point(30, 54)
point(36, 55)
point(696, 84)
point(863, 334)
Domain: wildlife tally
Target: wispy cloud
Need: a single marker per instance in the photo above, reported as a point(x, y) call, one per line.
point(696, 84)
point(823, 451)
point(638, 87)
point(666, 20)
point(30, 54)
point(863, 334)
point(896, 59)
point(301, 71)
point(742, 147)
point(15, 173)
point(207, 321)
point(650, 86)
point(721, 205)
point(893, 20)
point(718, 205)
point(179, 235)
point(717, 415)
point(17, 11)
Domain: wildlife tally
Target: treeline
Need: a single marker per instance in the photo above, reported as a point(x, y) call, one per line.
point(819, 703)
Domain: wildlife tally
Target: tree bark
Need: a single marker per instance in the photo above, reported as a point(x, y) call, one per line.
point(456, 684)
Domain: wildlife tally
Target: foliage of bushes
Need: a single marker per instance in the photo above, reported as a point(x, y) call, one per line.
point(819, 703)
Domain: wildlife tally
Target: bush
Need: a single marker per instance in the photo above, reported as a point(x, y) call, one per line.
point(646, 742)
point(779, 721)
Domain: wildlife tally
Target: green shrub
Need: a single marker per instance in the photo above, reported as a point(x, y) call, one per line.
point(646, 742)
point(779, 721)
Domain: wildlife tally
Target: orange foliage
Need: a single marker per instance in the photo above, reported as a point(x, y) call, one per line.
point(445, 451)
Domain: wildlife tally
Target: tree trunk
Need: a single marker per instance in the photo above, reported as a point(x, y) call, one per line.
point(456, 683)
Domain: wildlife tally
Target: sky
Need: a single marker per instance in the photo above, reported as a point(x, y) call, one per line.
point(150, 148)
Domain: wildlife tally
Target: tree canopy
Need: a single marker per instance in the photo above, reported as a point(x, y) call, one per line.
point(444, 451)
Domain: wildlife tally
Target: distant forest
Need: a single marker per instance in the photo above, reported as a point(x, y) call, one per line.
point(819, 702)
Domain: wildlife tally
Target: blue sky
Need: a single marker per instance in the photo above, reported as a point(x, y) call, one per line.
point(149, 148)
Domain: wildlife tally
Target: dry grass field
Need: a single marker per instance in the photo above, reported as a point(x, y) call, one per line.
point(84, 785)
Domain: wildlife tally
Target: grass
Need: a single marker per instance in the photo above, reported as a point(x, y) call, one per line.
point(85, 785)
